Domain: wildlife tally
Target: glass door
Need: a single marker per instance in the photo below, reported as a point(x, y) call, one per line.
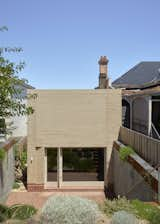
point(83, 165)
point(51, 165)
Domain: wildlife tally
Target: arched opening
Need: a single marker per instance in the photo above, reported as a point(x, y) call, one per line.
point(125, 114)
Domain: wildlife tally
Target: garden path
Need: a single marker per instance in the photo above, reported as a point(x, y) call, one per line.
point(37, 199)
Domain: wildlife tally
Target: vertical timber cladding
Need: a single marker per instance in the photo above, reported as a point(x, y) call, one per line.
point(71, 118)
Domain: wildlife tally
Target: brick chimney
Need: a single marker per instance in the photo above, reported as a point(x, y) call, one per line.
point(103, 73)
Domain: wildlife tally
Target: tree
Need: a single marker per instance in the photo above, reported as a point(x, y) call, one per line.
point(11, 100)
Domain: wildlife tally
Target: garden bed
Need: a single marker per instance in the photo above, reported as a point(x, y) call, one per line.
point(135, 211)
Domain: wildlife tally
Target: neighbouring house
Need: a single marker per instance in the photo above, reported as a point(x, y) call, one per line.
point(18, 125)
point(141, 98)
point(70, 136)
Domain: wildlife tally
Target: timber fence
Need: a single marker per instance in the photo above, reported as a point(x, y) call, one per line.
point(146, 147)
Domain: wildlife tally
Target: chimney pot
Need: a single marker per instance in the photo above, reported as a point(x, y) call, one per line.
point(103, 70)
point(103, 60)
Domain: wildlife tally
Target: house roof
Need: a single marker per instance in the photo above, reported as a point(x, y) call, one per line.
point(140, 75)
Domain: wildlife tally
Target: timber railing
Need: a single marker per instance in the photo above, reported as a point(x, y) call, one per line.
point(146, 147)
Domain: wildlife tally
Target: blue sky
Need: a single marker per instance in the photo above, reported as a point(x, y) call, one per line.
point(63, 39)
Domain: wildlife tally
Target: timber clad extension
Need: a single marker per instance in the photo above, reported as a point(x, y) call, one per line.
point(70, 119)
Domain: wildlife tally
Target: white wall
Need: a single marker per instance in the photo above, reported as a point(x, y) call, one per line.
point(20, 125)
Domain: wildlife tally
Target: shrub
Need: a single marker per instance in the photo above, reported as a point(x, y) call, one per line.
point(147, 211)
point(125, 152)
point(70, 210)
point(4, 210)
point(123, 217)
point(3, 126)
point(2, 154)
point(119, 204)
point(20, 163)
point(21, 212)
point(16, 185)
point(138, 208)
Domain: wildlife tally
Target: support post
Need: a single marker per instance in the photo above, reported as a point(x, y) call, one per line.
point(60, 167)
point(149, 100)
point(131, 113)
point(158, 184)
point(45, 166)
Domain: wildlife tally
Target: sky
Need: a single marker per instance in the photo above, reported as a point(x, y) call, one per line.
point(62, 40)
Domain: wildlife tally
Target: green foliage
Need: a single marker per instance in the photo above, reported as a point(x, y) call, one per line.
point(23, 159)
point(77, 161)
point(125, 152)
point(85, 165)
point(16, 185)
point(138, 208)
point(71, 160)
point(120, 204)
point(11, 86)
point(4, 213)
point(11, 99)
point(123, 217)
point(21, 212)
point(70, 210)
point(2, 154)
point(20, 163)
point(147, 211)
point(2, 126)
point(21, 156)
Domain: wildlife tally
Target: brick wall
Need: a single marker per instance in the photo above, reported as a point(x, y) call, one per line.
point(71, 118)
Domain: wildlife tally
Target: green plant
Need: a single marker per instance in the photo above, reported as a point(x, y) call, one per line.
point(147, 211)
point(119, 204)
point(123, 217)
point(4, 213)
point(2, 154)
point(125, 151)
point(23, 158)
point(21, 212)
point(138, 208)
point(11, 87)
point(70, 210)
point(20, 164)
point(16, 185)
point(81, 161)
point(2, 126)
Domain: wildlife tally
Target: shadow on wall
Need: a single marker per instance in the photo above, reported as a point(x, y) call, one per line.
point(109, 190)
point(124, 180)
